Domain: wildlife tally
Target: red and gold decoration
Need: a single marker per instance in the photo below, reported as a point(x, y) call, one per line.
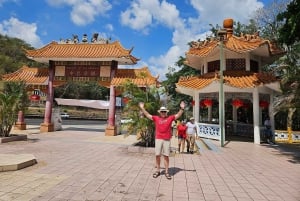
point(125, 100)
point(263, 104)
point(237, 103)
point(35, 97)
point(193, 103)
point(208, 102)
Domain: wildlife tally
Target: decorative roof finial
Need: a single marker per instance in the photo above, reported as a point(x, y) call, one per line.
point(228, 25)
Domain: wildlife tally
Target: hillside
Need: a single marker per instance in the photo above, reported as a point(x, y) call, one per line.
point(12, 55)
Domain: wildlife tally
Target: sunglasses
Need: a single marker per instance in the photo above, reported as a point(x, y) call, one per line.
point(163, 112)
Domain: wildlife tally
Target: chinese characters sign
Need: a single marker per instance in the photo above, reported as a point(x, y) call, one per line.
point(82, 71)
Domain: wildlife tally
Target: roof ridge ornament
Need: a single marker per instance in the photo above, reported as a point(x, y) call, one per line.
point(94, 39)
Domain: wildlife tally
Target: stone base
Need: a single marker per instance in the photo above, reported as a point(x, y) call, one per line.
point(110, 130)
point(12, 162)
point(47, 127)
point(20, 126)
point(12, 138)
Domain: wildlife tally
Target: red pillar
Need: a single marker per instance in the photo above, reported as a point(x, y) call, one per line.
point(47, 125)
point(112, 107)
point(111, 128)
point(20, 124)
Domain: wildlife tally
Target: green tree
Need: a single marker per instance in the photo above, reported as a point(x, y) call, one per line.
point(79, 90)
point(141, 126)
point(12, 99)
point(290, 31)
point(12, 55)
point(266, 19)
point(289, 66)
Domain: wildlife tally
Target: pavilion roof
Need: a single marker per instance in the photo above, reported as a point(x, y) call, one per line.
point(237, 44)
point(83, 52)
point(237, 79)
point(252, 43)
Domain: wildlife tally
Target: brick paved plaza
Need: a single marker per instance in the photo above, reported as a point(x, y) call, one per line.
point(84, 164)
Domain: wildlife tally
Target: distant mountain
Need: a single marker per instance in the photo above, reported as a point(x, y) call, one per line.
point(12, 55)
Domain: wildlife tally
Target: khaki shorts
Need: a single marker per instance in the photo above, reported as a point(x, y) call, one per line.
point(162, 147)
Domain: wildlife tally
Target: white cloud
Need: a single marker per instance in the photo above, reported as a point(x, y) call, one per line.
point(22, 30)
point(109, 27)
point(136, 17)
point(84, 11)
point(213, 12)
point(4, 1)
point(159, 65)
point(142, 14)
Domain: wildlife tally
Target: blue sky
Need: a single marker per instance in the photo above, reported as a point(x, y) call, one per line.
point(158, 30)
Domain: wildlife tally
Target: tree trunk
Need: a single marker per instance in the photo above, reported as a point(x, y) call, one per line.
point(291, 112)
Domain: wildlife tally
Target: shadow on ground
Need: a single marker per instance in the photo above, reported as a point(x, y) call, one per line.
point(175, 170)
point(83, 129)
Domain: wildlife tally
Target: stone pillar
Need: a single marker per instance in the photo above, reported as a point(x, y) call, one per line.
point(209, 109)
point(256, 116)
point(197, 106)
point(271, 112)
point(47, 125)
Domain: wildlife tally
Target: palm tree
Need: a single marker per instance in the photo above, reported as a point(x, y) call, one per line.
point(13, 99)
point(141, 126)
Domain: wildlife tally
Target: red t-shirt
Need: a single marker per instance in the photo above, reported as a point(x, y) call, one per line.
point(181, 130)
point(163, 127)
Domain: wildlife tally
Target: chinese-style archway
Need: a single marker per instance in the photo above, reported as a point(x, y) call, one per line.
point(71, 59)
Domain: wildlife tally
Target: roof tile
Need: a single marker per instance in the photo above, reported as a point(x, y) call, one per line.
point(82, 50)
point(141, 77)
point(238, 79)
point(39, 76)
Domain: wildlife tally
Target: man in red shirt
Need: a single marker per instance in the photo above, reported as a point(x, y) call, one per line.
point(163, 124)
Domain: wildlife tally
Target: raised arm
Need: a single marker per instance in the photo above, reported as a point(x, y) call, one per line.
point(145, 112)
point(181, 110)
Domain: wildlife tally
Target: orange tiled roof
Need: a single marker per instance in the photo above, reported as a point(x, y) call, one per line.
point(235, 44)
point(37, 76)
point(82, 51)
point(199, 50)
point(141, 77)
point(237, 79)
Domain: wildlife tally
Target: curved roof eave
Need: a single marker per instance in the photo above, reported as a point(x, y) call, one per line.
point(121, 61)
point(83, 52)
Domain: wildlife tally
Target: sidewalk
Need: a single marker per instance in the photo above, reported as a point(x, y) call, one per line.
point(87, 165)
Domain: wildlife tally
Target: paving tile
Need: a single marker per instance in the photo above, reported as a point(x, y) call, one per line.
point(83, 165)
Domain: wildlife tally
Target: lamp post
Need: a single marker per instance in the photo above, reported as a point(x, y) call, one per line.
point(222, 35)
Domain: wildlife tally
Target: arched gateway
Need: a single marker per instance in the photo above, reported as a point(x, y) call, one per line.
point(236, 62)
point(71, 60)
